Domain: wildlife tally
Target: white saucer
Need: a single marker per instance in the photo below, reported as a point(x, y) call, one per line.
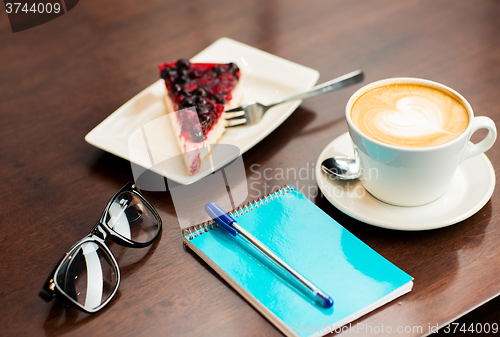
point(471, 188)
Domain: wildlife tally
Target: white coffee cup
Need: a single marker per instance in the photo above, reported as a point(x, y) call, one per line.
point(408, 176)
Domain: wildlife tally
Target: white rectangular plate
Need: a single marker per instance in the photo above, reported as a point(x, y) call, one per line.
point(265, 78)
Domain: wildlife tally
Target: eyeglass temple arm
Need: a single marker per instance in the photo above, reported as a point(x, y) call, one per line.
point(48, 292)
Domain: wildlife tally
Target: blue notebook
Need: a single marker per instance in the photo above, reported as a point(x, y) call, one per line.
point(354, 275)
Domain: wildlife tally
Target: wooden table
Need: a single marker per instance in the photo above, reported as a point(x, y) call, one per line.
point(61, 79)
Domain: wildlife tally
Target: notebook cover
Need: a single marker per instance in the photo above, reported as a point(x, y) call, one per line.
point(354, 275)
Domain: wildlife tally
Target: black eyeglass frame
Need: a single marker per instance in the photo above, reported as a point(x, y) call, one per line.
point(98, 234)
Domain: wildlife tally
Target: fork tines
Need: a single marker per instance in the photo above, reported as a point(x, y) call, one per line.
point(234, 114)
point(235, 117)
point(235, 122)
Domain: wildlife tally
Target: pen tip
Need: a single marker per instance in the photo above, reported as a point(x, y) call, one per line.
point(325, 300)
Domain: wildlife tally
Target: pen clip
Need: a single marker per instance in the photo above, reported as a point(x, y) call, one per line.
point(222, 218)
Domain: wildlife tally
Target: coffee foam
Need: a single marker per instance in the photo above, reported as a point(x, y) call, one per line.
point(410, 115)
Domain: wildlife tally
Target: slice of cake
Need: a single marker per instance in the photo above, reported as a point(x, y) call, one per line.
point(197, 96)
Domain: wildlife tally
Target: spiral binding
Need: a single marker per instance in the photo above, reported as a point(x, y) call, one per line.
point(204, 227)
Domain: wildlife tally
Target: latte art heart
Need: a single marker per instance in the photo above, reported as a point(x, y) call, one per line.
point(410, 115)
point(413, 117)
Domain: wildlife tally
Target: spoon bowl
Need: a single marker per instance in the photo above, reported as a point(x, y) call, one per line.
point(343, 168)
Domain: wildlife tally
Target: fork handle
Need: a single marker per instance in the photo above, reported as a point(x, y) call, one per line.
point(337, 83)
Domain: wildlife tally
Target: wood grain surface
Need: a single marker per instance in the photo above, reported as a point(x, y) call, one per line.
point(61, 79)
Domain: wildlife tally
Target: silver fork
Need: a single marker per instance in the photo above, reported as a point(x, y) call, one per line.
point(253, 112)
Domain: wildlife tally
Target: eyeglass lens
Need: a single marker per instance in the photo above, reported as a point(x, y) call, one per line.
point(88, 276)
point(130, 217)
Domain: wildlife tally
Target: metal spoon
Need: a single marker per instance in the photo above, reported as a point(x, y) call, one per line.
point(340, 167)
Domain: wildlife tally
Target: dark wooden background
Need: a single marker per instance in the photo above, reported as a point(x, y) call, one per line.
point(59, 80)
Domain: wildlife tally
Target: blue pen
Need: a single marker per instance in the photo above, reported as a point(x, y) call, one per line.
point(231, 226)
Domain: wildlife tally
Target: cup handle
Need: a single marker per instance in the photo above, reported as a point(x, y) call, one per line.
point(481, 122)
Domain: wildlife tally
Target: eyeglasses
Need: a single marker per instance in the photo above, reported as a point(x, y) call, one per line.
point(88, 275)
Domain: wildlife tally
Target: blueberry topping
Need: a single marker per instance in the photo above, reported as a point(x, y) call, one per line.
point(195, 73)
point(204, 87)
point(200, 100)
point(181, 80)
point(233, 68)
point(202, 109)
point(179, 96)
point(183, 63)
point(196, 134)
point(170, 71)
point(200, 92)
point(182, 72)
point(163, 74)
point(218, 98)
point(205, 119)
point(167, 72)
point(219, 69)
point(186, 102)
